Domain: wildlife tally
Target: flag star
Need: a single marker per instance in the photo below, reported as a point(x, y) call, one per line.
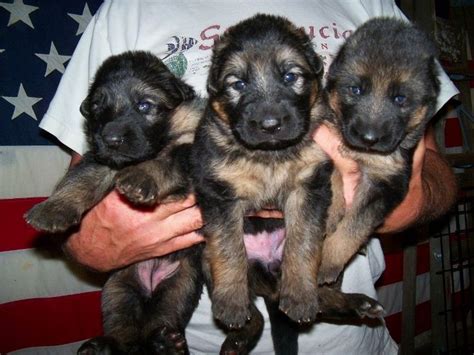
point(83, 20)
point(53, 60)
point(19, 12)
point(23, 103)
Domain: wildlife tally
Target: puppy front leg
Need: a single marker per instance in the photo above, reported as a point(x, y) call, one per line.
point(227, 261)
point(373, 201)
point(80, 189)
point(301, 256)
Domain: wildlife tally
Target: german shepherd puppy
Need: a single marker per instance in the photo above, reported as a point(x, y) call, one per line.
point(253, 149)
point(381, 91)
point(140, 121)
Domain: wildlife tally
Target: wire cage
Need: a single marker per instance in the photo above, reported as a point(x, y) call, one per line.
point(452, 271)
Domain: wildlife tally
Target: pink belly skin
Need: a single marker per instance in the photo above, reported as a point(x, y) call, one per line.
point(152, 272)
point(266, 247)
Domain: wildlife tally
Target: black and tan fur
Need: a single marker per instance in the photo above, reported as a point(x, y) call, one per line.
point(254, 149)
point(140, 122)
point(382, 90)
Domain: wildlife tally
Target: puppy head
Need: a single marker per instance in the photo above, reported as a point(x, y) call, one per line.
point(263, 80)
point(129, 107)
point(382, 85)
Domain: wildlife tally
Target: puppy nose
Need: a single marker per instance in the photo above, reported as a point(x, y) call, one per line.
point(369, 138)
point(112, 140)
point(270, 124)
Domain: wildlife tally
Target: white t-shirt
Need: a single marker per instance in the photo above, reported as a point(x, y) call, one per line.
point(182, 33)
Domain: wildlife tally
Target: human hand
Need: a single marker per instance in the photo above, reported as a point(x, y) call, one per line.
point(115, 234)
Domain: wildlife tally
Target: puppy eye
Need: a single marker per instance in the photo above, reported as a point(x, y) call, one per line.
point(355, 90)
point(290, 77)
point(400, 99)
point(239, 85)
point(144, 106)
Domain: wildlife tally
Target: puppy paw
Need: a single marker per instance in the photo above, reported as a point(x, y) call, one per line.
point(301, 307)
point(167, 341)
point(329, 273)
point(231, 314)
point(137, 186)
point(53, 216)
point(235, 344)
point(367, 307)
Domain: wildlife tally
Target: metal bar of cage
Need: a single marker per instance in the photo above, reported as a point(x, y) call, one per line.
point(452, 270)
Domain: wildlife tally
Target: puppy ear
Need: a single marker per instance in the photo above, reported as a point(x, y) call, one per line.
point(316, 63)
point(218, 52)
point(186, 91)
point(335, 68)
point(211, 89)
point(314, 60)
point(213, 78)
point(434, 68)
point(84, 108)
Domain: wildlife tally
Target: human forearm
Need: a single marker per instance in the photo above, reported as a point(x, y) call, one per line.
point(439, 186)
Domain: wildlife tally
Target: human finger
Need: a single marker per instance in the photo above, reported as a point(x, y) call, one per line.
point(180, 242)
point(327, 140)
point(167, 209)
point(180, 223)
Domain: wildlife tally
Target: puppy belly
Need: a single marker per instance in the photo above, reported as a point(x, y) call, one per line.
point(152, 272)
point(266, 248)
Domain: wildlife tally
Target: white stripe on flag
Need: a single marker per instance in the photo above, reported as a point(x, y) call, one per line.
point(391, 295)
point(29, 274)
point(31, 171)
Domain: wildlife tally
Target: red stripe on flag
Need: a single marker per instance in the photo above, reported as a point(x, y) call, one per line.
point(452, 133)
point(16, 233)
point(394, 265)
point(422, 321)
point(393, 269)
point(49, 321)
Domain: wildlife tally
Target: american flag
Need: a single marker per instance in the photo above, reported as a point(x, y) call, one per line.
point(47, 304)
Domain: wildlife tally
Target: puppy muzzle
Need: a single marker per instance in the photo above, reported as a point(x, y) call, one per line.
point(119, 144)
point(271, 128)
point(372, 138)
